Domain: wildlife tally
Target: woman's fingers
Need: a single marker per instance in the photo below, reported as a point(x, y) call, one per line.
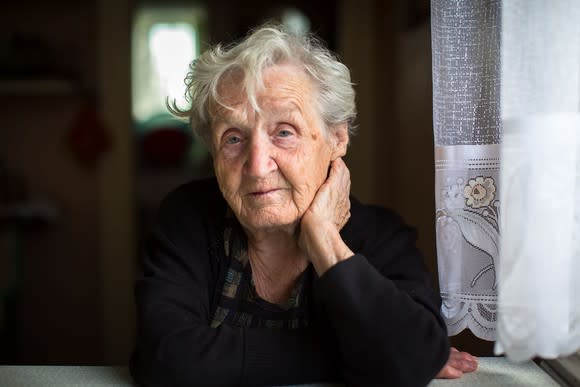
point(458, 364)
point(329, 211)
point(332, 199)
point(449, 372)
point(464, 361)
point(339, 183)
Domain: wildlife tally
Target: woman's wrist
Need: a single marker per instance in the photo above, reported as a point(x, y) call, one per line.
point(325, 247)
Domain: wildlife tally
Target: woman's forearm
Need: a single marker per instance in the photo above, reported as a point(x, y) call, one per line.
point(386, 335)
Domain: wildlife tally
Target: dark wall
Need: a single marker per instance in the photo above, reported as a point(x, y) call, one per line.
point(229, 20)
point(47, 57)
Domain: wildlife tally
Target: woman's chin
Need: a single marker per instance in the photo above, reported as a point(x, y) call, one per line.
point(268, 220)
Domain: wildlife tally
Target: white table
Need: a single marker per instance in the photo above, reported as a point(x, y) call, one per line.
point(64, 376)
point(498, 371)
point(491, 372)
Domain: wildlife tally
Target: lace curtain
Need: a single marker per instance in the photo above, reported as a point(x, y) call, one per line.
point(507, 82)
point(467, 128)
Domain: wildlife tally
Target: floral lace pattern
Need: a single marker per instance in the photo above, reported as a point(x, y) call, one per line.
point(467, 225)
point(479, 192)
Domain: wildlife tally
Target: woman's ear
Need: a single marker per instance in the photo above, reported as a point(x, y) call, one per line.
point(339, 140)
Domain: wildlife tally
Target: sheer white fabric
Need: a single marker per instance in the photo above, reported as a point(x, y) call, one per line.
point(520, 57)
point(465, 44)
point(539, 271)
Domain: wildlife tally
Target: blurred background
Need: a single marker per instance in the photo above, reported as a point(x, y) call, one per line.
point(88, 150)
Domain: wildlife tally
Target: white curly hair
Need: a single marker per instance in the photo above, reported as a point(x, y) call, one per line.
point(264, 47)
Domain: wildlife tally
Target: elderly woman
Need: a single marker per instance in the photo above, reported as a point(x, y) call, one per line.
point(271, 273)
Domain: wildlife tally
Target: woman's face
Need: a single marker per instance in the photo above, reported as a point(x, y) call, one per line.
point(269, 165)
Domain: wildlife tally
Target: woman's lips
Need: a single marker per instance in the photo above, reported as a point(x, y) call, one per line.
point(264, 192)
point(264, 197)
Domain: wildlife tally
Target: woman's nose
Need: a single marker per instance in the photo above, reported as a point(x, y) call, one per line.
point(259, 161)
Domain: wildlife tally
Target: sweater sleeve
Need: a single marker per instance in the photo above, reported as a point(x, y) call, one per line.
point(383, 309)
point(176, 345)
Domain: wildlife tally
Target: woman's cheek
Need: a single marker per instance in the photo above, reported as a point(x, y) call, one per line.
point(226, 177)
point(231, 152)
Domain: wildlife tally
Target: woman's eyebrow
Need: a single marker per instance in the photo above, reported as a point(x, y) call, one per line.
point(286, 111)
point(229, 118)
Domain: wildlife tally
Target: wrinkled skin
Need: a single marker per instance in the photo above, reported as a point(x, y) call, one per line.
point(326, 216)
point(458, 364)
point(270, 165)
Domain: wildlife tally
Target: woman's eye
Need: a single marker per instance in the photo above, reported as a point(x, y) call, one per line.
point(285, 133)
point(231, 140)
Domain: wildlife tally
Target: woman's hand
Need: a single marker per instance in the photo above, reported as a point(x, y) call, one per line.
point(458, 364)
point(329, 211)
point(331, 203)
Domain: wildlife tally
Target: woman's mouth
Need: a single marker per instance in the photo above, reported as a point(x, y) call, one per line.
point(264, 192)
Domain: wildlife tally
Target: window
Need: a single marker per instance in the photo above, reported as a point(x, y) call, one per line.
point(165, 41)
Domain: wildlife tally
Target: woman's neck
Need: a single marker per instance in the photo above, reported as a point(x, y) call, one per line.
point(276, 262)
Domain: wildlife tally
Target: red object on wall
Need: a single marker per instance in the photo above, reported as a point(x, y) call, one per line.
point(166, 146)
point(88, 138)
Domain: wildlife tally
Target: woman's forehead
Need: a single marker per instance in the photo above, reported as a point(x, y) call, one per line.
point(282, 109)
point(286, 90)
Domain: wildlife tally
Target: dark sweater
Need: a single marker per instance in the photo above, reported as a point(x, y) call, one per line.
point(375, 317)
